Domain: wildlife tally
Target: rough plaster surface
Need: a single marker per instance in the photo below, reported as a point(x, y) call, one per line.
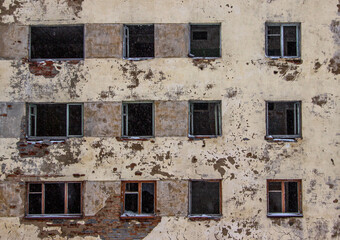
point(11, 116)
point(243, 79)
point(13, 41)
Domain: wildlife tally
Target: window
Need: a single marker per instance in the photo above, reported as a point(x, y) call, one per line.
point(283, 40)
point(138, 119)
point(139, 198)
point(205, 198)
point(54, 199)
point(284, 198)
point(139, 41)
point(205, 40)
point(205, 118)
point(283, 119)
point(57, 42)
point(55, 120)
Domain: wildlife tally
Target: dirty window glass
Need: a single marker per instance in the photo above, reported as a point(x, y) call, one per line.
point(138, 119)
point(57, 42)
point(54, 198)
point(74, 198)
point(205, 40)
point(139, 41)
point(148, 197)
point(205, 197)
point(75, 119)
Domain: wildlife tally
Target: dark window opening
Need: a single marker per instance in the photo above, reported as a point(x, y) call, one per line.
point(139, 41)
point(283, 119)
point(205, 118)
point(205, 40)
point(55, 120)
point(57, 42)
point(139, 198)
point(51, 198)
point(205, 198)
point(282, 40)
point(137, 119)
point(284, 197)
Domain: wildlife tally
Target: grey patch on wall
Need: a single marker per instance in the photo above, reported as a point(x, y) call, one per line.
point(11, 115)
point(334, 63)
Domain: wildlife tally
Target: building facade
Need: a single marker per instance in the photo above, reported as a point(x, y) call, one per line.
point(172, 119)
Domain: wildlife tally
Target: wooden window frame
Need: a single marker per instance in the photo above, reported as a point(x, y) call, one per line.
point(283, 213)
point(204, 216)
point(139, 214)
point(43, 215)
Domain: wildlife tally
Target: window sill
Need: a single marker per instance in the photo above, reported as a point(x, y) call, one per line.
point(296, 60)
point(53, 216)
point(284, 215)
point(204, 217)
point(55, 59)
point(282, 139)
point(208, 58)
point(137, 216)
point(139, 59)
point(198, 137)
point(134, 138)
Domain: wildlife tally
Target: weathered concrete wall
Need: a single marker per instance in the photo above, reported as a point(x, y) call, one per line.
point(243, 79)
point(12, 116)
point(14, 41)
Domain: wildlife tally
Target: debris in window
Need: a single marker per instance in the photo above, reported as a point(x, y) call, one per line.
point(205, 40)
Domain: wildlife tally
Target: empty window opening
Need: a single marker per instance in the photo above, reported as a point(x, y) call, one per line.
point(54, 199)
point(139, 41)
point(205, 197)
point(284, 197)
point(205, 41)
point(283, 119)
point(205, 118)
point(282, 40)
point(55, 120)
point(57, 42)
point(139, 198)
point(138, 119)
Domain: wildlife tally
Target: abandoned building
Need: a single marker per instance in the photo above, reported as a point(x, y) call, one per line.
point(169, 119)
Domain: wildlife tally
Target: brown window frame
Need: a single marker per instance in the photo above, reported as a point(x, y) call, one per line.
point(43, 215)
point(139, 214)
point(284, 213)
point(205, 216)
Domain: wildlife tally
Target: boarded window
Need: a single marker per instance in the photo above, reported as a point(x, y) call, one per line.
point(137, 119)
point(205, 198)
point(205, 118)
point(139, 41)
point(55, 120)
point(139, 198)
point(205, 41)
point(57, 42)
point(282, 40)
point(284, 197)
point(283, 119)
point(46, 199)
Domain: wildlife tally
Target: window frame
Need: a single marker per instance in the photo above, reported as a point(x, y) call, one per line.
point(125, 128)
point(139, 214)
point(56, 59)
point(126, 41)
point(34, 106)
point(204, 216)
point(220, 40)
point(298, 122)
point(64, 215)
point(284, 214)
point(281, 25)
point(218, 119)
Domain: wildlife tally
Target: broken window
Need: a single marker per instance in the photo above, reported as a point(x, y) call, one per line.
point(139, 41)
point(283, 119)
point(205, 40)
point(139, 198)
point(284, 197)
point(55, 120)
point(54, 199)
point(57, 42)
point(137, 119)
point(205, 118)
point(282, 40)
point(205, 197)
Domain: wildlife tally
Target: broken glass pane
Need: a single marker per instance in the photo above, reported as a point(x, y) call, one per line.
point(205, 197)
point(54, 198)
point(275, 202)
point(74, 198)
point(148, 192)
point(291, 197)
point(290, 42)
point(131, 203)
point(34, 203)
point(205, 40)
point(75, 120)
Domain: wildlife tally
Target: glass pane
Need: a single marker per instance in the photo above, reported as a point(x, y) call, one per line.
point(290, 43)
point(54, 198)
point(141, 41)
point(205, 197)
point(274, 46)
point(32, 125)
point(148, 195)
point(273, 30)
point(35, 187)
point(275, 186)
point(34, 204)
point(200, 35)
point(275, 202)
point(74, 198)
point(140, 119)
point(204, 119)
point(131, 187)
point(57, 42)
point(51, 120)
point(75, 119)
point(291, 197)
point(205, 40)
point(131, 203)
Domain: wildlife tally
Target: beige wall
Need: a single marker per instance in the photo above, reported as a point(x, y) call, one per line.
point(243, 79)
